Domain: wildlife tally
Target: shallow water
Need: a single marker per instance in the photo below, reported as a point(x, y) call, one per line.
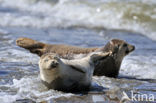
point(81, 23)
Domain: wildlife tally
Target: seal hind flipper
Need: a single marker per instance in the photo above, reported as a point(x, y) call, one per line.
point(32, 45)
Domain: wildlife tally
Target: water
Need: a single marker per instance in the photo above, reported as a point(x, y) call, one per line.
point(82, 23)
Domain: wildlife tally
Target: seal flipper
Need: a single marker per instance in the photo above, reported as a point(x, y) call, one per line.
point(77, 69)
point(100, 56)
point(32, 45)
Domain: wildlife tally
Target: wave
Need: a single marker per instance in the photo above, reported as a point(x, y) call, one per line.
point(140, 67)
point(29, 87)
point(132, 15)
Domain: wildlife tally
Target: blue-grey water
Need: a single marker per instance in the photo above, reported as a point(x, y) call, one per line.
point(82, 23)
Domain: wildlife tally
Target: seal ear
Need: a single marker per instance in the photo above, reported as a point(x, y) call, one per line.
point(32, 45)
point(115, 46)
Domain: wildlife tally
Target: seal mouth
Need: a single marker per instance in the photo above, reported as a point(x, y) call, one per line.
point(130, 50)
point(54, 64)
point(133, 48)
point(127, 52)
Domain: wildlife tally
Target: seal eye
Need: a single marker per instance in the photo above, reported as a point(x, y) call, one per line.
point(46, 60)
point(55, 57)
point(127, 51)
point(125, 45)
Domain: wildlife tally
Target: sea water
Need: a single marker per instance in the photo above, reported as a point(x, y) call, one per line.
point(82, 23)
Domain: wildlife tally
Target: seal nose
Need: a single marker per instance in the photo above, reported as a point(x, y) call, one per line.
point(130, 49)
point(133, 47)
point(54, 64)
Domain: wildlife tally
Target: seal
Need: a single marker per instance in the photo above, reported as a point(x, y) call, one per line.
point(39, 48)
point(69, 75)
point(109, 67)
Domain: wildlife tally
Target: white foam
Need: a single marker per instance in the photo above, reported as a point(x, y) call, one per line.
point(139, 66)
point(15, 55)
point(6, 98)
point(91, 14)
point(30, 88)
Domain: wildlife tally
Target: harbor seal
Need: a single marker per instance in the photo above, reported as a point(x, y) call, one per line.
point(39, 48)
point(109, 67)
point(69, 75)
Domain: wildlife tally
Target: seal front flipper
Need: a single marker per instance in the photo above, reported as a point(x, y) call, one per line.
point(32, 45)
point(77, 69)
point(100, 56)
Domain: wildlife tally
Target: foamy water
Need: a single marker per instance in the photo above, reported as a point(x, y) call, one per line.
point(81, 23)
point(139, 66)
point(29, 87)
point(137, 15)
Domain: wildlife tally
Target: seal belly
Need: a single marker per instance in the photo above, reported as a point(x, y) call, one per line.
point(66, 85)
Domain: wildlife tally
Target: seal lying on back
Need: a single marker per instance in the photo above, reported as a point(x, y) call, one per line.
point(68, 75)
point(109, 67)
